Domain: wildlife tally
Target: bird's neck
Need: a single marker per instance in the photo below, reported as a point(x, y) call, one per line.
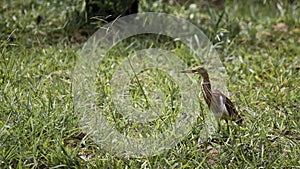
point(205, 81)
point(206, 88)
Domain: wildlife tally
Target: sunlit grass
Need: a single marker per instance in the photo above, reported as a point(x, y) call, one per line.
point(257, 43)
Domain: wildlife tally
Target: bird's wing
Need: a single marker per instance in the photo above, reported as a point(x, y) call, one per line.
point(228, 104)
point(230, 107)
point(232, 111)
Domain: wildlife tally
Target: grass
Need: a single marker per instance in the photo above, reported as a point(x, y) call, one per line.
point(258, 44)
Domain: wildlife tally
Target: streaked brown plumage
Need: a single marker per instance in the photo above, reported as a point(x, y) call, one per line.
point(219, 104)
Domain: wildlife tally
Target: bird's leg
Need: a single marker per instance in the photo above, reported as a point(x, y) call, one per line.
point(228, 129)
point(219, 127)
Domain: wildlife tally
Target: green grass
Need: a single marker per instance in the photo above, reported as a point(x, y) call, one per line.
point(39, 127)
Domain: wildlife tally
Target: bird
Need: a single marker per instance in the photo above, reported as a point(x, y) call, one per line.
point(220, 105)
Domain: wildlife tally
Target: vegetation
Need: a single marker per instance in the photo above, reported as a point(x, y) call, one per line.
point(258, 44)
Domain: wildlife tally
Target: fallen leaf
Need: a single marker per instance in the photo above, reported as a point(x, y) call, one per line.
point(280, 27)
point(295, 31)
point(213, 153)
point(42, 33)
point(266, 33)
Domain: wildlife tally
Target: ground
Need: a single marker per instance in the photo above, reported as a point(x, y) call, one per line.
point(258, 44)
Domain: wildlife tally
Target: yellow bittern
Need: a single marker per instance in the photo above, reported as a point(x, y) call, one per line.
point(221, 106)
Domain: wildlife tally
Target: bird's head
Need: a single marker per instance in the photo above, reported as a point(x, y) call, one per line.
point(196, 70)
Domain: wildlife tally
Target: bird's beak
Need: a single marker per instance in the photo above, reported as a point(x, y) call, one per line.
point(188, 71)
